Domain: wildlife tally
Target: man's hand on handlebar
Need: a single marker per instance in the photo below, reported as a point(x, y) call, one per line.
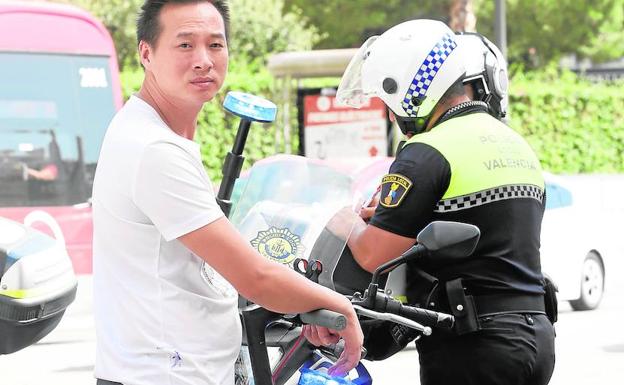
point(320, 336)
point(353, 339)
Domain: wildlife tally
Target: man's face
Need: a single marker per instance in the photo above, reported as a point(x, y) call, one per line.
point(190, 59)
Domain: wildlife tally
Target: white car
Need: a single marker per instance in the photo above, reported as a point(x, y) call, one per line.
point(573, 248)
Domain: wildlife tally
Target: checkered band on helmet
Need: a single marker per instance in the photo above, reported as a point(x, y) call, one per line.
point(427, 72)
point(490, 195)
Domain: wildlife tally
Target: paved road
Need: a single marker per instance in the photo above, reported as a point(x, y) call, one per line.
point(65, 356)
point(590, 347)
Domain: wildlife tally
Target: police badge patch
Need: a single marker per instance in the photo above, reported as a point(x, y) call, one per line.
point(394, 187)
point(278, 245)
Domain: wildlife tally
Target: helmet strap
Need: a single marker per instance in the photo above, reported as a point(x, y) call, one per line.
point(419, 125)
point(413, 125)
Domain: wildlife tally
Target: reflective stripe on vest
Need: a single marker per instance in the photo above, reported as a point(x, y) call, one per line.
point(489, 162)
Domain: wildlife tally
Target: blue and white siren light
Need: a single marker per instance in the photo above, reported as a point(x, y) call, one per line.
point(250, 107)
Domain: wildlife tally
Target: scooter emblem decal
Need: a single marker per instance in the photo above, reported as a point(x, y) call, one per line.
point(279, 245)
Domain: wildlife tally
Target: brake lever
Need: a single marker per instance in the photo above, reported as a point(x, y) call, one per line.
point(425, 330)
point(335, 350)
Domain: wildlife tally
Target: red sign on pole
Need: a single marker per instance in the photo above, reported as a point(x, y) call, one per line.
point(335, 131)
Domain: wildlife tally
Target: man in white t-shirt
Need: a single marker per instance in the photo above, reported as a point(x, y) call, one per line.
point(162, 315)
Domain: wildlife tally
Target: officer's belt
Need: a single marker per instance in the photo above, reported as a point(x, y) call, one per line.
point(506, 303)
point(467, 309)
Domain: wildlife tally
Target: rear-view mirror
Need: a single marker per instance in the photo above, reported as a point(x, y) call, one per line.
point(449, 240)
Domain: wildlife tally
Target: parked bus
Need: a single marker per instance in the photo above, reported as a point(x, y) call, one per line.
point(59, 88)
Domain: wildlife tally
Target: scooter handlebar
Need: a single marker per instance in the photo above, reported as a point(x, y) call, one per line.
point(427, 317)
point(326, 318)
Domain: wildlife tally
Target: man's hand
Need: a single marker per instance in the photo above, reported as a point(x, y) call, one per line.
point(352, 336)
point(367, 212)
point(368, 208)
point(320, 336)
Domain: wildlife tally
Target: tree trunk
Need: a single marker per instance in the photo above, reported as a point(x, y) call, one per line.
point(462, 15)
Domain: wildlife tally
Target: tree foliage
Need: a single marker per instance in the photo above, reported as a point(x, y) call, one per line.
point(258, 28)
point(541, 31)
point(262, 27)
point(346, 24)
point(538, 31)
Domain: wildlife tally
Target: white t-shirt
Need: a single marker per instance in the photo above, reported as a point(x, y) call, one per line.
point(162, 316)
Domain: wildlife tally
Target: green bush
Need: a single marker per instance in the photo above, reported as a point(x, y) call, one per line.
point(574, 125)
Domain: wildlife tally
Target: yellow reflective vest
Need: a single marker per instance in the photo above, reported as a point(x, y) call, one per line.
point(488, 160)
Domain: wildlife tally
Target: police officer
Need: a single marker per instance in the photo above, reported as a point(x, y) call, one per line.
point(458, 164)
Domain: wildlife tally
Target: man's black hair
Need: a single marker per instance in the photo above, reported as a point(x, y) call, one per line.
point(148, 23)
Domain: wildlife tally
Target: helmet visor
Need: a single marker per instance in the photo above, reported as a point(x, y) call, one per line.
point(350, 91)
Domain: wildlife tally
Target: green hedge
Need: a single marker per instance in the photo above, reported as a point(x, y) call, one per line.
point(574, 125)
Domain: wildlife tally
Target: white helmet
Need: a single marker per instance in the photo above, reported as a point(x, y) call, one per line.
point(409, 67)
point(486, 72)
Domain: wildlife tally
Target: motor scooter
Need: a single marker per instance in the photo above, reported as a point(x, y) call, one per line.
point(284, 211)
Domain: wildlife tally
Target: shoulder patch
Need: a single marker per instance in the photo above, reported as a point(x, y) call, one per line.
point(394, 187)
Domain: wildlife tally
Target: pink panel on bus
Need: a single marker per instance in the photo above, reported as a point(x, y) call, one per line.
point(57, 28)
point(26, 28)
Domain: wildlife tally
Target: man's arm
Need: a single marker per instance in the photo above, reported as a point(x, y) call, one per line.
point(267, 283)
point(171, 189)
point(272, 285)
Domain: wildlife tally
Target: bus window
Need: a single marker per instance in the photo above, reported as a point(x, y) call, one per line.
point(54, 110)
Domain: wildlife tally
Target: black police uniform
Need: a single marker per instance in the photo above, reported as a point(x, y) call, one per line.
point(471, 168)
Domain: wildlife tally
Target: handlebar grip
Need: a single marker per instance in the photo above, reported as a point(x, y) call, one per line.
point(428, 317)
point(327, 318)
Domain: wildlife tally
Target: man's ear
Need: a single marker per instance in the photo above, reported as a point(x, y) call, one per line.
point(145, 54)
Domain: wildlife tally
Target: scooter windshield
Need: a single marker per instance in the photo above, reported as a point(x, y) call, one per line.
point(285, 206)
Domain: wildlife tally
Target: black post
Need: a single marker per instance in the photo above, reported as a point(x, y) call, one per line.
point(241, 136)
point(232, 167)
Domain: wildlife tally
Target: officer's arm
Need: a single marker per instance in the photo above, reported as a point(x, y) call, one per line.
point(405, 207)
point(372, 246)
